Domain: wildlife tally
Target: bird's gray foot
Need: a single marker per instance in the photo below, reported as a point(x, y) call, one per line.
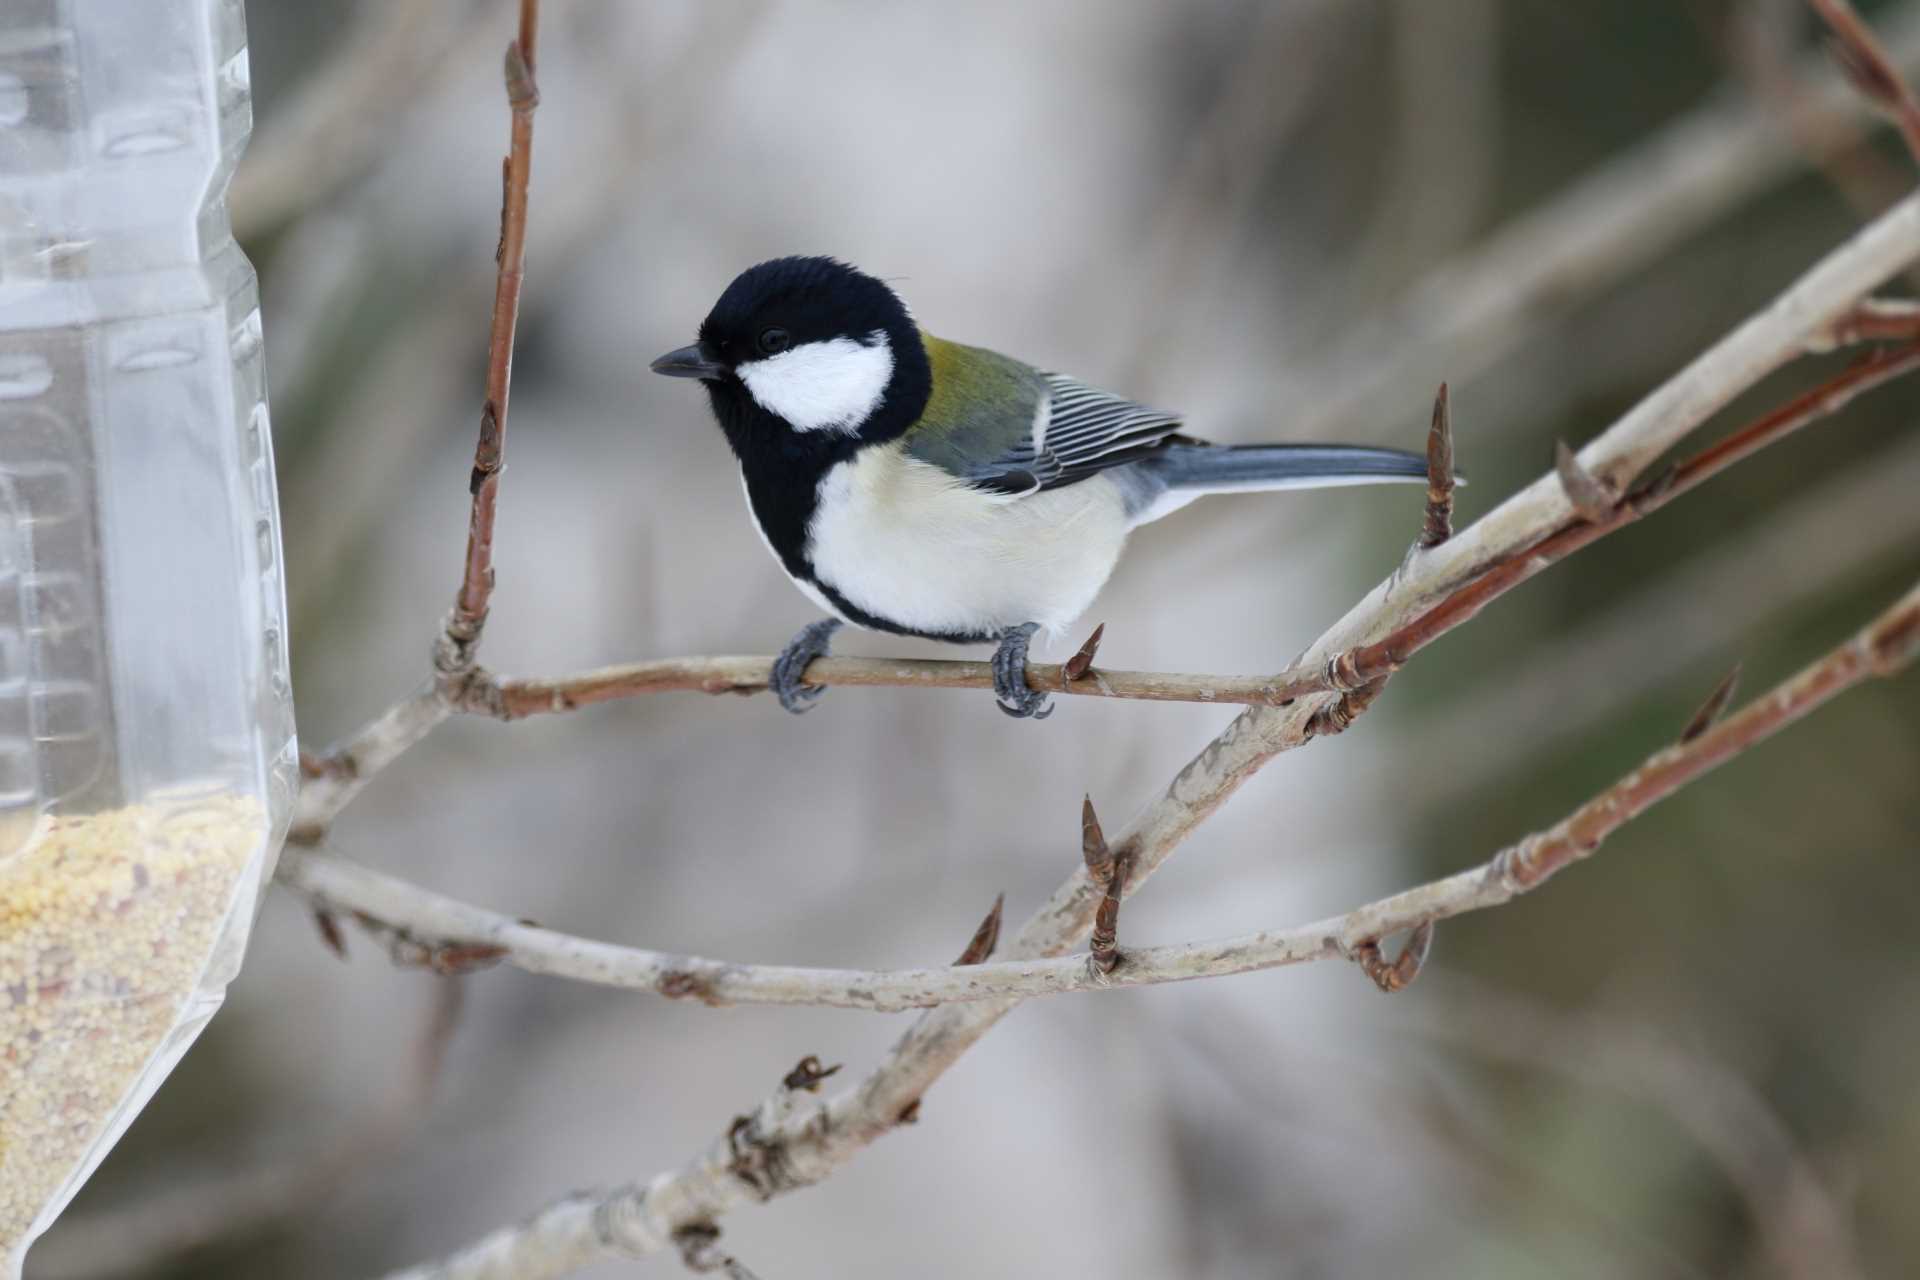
point(1010, 675)
point(814, 641)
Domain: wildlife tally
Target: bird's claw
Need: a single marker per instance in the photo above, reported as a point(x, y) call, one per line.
point(814, 641)
point(1010, 676)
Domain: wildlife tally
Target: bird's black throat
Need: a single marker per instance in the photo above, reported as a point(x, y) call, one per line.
point(783, 469)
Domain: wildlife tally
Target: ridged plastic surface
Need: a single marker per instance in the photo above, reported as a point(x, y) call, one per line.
point(147, 757)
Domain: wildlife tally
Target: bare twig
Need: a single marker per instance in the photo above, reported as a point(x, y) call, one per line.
point(454, 658)
point(1696, 611)
point(394, 906)
point(334, 779)
point(1365, 664)
point(1870, 70)
point(513, 699)
point(330, 782)
point(785, 1148)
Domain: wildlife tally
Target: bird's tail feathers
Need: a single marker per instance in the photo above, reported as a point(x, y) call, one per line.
point(1179, 473)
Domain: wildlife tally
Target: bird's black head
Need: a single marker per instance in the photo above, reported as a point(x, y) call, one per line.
point(805, 355)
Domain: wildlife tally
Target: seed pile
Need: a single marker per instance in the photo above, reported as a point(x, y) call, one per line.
point(106, 924)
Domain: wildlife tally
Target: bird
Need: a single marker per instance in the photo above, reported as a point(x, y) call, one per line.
point(917, 486)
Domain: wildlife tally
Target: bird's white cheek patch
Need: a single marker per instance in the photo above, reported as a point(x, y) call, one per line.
point(823, 386)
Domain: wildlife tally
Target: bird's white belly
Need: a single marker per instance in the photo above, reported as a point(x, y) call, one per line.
point(908, 543)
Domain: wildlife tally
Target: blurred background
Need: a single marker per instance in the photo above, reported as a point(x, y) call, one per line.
point(1693, 1056)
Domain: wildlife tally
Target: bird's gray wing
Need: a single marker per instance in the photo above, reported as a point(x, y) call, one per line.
point(992, 430)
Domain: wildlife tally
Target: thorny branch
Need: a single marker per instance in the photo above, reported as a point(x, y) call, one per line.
point(792, 1148)
point(515, 699)
point(429, 922)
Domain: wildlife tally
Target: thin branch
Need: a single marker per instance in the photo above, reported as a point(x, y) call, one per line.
point(1696, 610)
point(1870, 70)
point(516, 698)
point(1600, 514)
point(787, 1147)
point(330, 782)
point(469, 615)
point(428, 921)
point(1381, 658)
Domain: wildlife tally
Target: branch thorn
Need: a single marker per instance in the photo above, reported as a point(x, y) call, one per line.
point(330, 933)
point(1110, 873)
point(986, 937)
point(1711, 710)
point(1079, 663)
point(1093, 844)
point(1438, 526)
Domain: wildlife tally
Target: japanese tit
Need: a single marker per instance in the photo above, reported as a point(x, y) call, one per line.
point(914, 485)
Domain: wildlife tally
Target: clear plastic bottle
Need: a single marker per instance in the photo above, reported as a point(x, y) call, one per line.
point(147, 758)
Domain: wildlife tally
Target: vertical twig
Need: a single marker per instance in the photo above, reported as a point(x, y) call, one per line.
point(455, 657)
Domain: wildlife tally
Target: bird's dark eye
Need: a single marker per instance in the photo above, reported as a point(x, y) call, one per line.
point(774, 340)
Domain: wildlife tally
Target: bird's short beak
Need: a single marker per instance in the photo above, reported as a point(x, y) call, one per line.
point(696, 361)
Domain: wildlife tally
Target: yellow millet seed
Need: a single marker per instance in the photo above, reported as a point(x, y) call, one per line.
point(107, 921)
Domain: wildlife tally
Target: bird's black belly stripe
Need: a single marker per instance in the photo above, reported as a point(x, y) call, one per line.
point(861, 618)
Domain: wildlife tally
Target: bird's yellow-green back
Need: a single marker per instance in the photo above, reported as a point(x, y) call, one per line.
point(981, 405)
